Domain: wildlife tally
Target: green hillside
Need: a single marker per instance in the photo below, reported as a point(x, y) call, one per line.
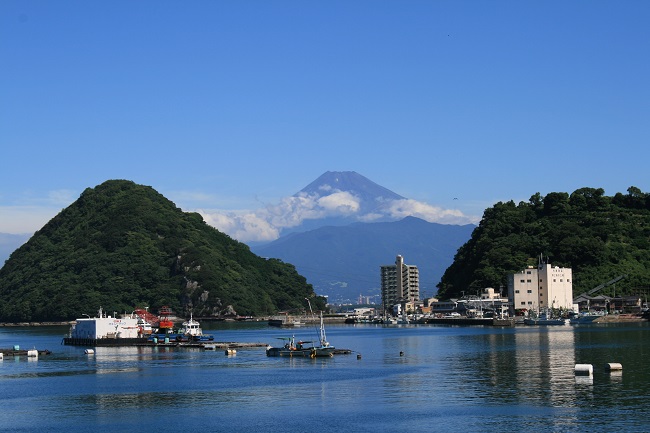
point(599, 237)
point(122, 246)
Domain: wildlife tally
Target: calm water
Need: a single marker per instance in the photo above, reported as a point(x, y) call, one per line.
point(451, 379)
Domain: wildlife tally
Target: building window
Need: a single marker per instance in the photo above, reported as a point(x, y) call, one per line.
point(530, 302)
point(529, 281)
point(530, 291)
point(523, 303)
point(516, 291)
point(522, 281)
point(554, 280)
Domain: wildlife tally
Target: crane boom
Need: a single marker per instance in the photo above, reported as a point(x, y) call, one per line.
point(608, 283)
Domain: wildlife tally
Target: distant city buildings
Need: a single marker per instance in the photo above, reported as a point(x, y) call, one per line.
point(400, 285)
point(541, 288)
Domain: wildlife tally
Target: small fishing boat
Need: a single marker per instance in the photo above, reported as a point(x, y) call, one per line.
point(544, 319)
point(586, 317)
point(309, 349)
point(305, 349)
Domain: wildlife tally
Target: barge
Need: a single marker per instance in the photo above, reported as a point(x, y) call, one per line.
point(110, 331)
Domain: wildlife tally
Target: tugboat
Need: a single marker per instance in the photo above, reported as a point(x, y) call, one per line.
point(165, 323)
point(193, 332)
point(165, 331)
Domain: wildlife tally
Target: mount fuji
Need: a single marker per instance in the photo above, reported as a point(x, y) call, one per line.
point(356, 226)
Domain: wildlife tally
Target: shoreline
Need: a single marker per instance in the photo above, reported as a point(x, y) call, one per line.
point(613, 318)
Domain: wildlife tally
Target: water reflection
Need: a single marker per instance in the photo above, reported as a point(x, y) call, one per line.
point(450, 379)
point(545, 361)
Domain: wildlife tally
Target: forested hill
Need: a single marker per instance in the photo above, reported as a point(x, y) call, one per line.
point(599, 237)
point(122, 246)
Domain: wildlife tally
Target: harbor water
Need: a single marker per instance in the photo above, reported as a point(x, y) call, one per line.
point(415, 378)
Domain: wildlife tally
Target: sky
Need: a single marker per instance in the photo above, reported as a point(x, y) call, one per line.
point(231, 107)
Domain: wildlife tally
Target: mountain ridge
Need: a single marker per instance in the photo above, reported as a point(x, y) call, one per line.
point(342, 262)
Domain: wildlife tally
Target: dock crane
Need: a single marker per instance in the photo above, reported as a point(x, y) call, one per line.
point(608, 283)
point(602, 286)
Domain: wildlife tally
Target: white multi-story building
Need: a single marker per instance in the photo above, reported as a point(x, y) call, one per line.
point(400, 284)
point(541, 288)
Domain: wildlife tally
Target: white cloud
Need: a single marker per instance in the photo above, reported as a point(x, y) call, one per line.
point(266, 224)
point(402, 208)
point(340, 202)
point(243, 227)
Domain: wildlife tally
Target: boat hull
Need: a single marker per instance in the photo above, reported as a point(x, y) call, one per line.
point(104, 342)
point(582, 320)
point(314, 352)
point(545, 322)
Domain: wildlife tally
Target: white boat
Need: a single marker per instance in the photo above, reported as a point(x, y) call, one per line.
point(586, 317)
point(192, 330)
point(403, 320)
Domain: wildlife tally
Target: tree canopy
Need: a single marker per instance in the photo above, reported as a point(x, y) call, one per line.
point(123, 245)
point(599, 237)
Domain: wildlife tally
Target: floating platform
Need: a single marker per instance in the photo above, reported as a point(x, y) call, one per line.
point(145, 342)
point(23, 352)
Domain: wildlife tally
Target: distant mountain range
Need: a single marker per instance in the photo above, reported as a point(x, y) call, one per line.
point(341, 256)
point(343, 263)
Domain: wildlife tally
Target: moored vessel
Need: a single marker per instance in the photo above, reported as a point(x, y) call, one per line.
point(305, 348)
point(586, 317)
point(105, 330)
point(544, 319)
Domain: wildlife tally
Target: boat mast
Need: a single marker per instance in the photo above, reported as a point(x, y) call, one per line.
point(321, 336)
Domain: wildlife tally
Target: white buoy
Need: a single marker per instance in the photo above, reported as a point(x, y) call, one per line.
point(89, 351)
point(230, 352)
point(2, 356)
point(32, 353)
point(584, 369)
point(613, 366)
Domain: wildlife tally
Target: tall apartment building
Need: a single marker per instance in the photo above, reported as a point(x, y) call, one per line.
point(540, 288)
point(400, 283)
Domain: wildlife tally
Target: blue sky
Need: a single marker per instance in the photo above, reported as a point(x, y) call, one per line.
point(231, 106)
